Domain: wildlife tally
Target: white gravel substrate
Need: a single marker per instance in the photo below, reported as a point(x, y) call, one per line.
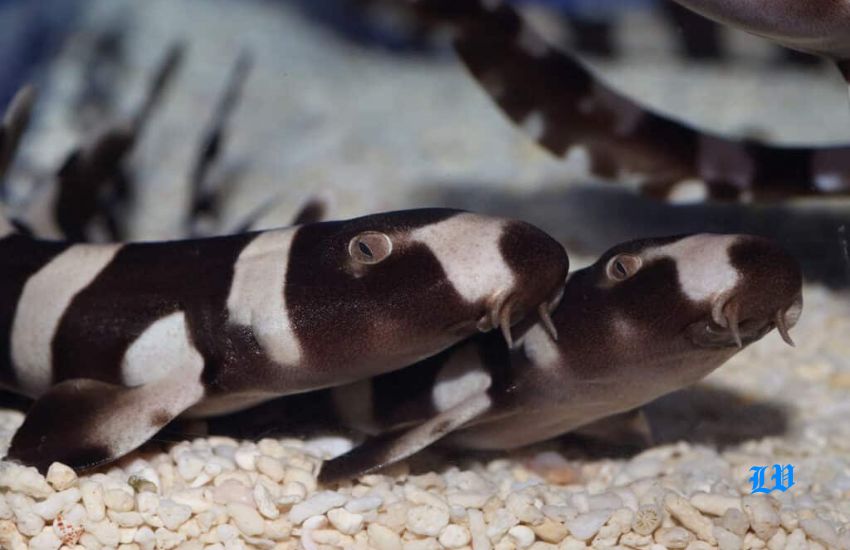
point(326, 116)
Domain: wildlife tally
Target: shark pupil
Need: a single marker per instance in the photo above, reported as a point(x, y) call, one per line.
point(364, 248)
point(621, 268)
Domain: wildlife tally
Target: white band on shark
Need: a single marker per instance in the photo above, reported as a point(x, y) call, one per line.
point(256, 297)
point(162, 348)
point(44, 300)
point(704, 267)
point(468, 244)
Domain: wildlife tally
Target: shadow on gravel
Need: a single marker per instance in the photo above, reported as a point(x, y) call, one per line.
point(699, 415)
point(590, 219)
point(716, 417)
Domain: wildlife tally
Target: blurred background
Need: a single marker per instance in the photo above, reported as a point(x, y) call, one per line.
point(357, 101)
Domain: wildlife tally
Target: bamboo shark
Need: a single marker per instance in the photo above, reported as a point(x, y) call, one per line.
point(564, 107)
point(115, 340)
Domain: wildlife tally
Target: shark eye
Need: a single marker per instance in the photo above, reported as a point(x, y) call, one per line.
point(623, 266)
point(370, 247)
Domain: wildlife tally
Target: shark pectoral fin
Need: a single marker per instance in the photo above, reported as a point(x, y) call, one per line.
point(84, 423)
point(389, 448)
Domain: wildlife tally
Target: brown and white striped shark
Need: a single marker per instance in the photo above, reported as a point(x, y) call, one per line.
point(565, 108)
point(649, 317)
point(817, 27)
point(113, 341)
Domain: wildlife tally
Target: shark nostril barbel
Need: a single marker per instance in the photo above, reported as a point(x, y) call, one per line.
point(731, 313)
point(782, 326)
point(546, 320)
point(505, 322)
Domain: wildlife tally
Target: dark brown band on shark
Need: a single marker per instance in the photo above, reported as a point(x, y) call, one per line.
point(750, 256)
point(23, 257)
point(169, 279)
point(563, 105)
point(322, 300)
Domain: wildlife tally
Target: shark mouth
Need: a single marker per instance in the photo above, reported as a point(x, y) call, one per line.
point(726, 327)
point(501, 316)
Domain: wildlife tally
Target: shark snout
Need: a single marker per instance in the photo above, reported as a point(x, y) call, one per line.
point(768, 294)
point(731, 318)
point(539, 265)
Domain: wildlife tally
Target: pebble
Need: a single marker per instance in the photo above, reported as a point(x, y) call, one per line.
point(232, 490)
point(246, 458)
point(246, 518)
point(24, 480)
point(764, 518)
point(821, 531)
point(477, 530)
point(364, 504)
point(45, 540)
point(796, 540)
point(522, 506)
point(713, 504)
point(551, 531)
point(522, 535)
point(499, 521)
point(50, 507)
point(316, 505)
point(29, 523)
point(455, 536)
point(118, 500)
point(689, 517)
point(585, 526)
point(61, 477)
point(173, 514)
point(382, 538)
point(427, 520)
point(105, 532)
point(126, 519)
point(727, 540)
point(5, 509)
point(635, 540)
point(264, 502)
point(673, 537)
point(270, 467)
point(345, 522)
point(735, 521)
point(189, 466)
